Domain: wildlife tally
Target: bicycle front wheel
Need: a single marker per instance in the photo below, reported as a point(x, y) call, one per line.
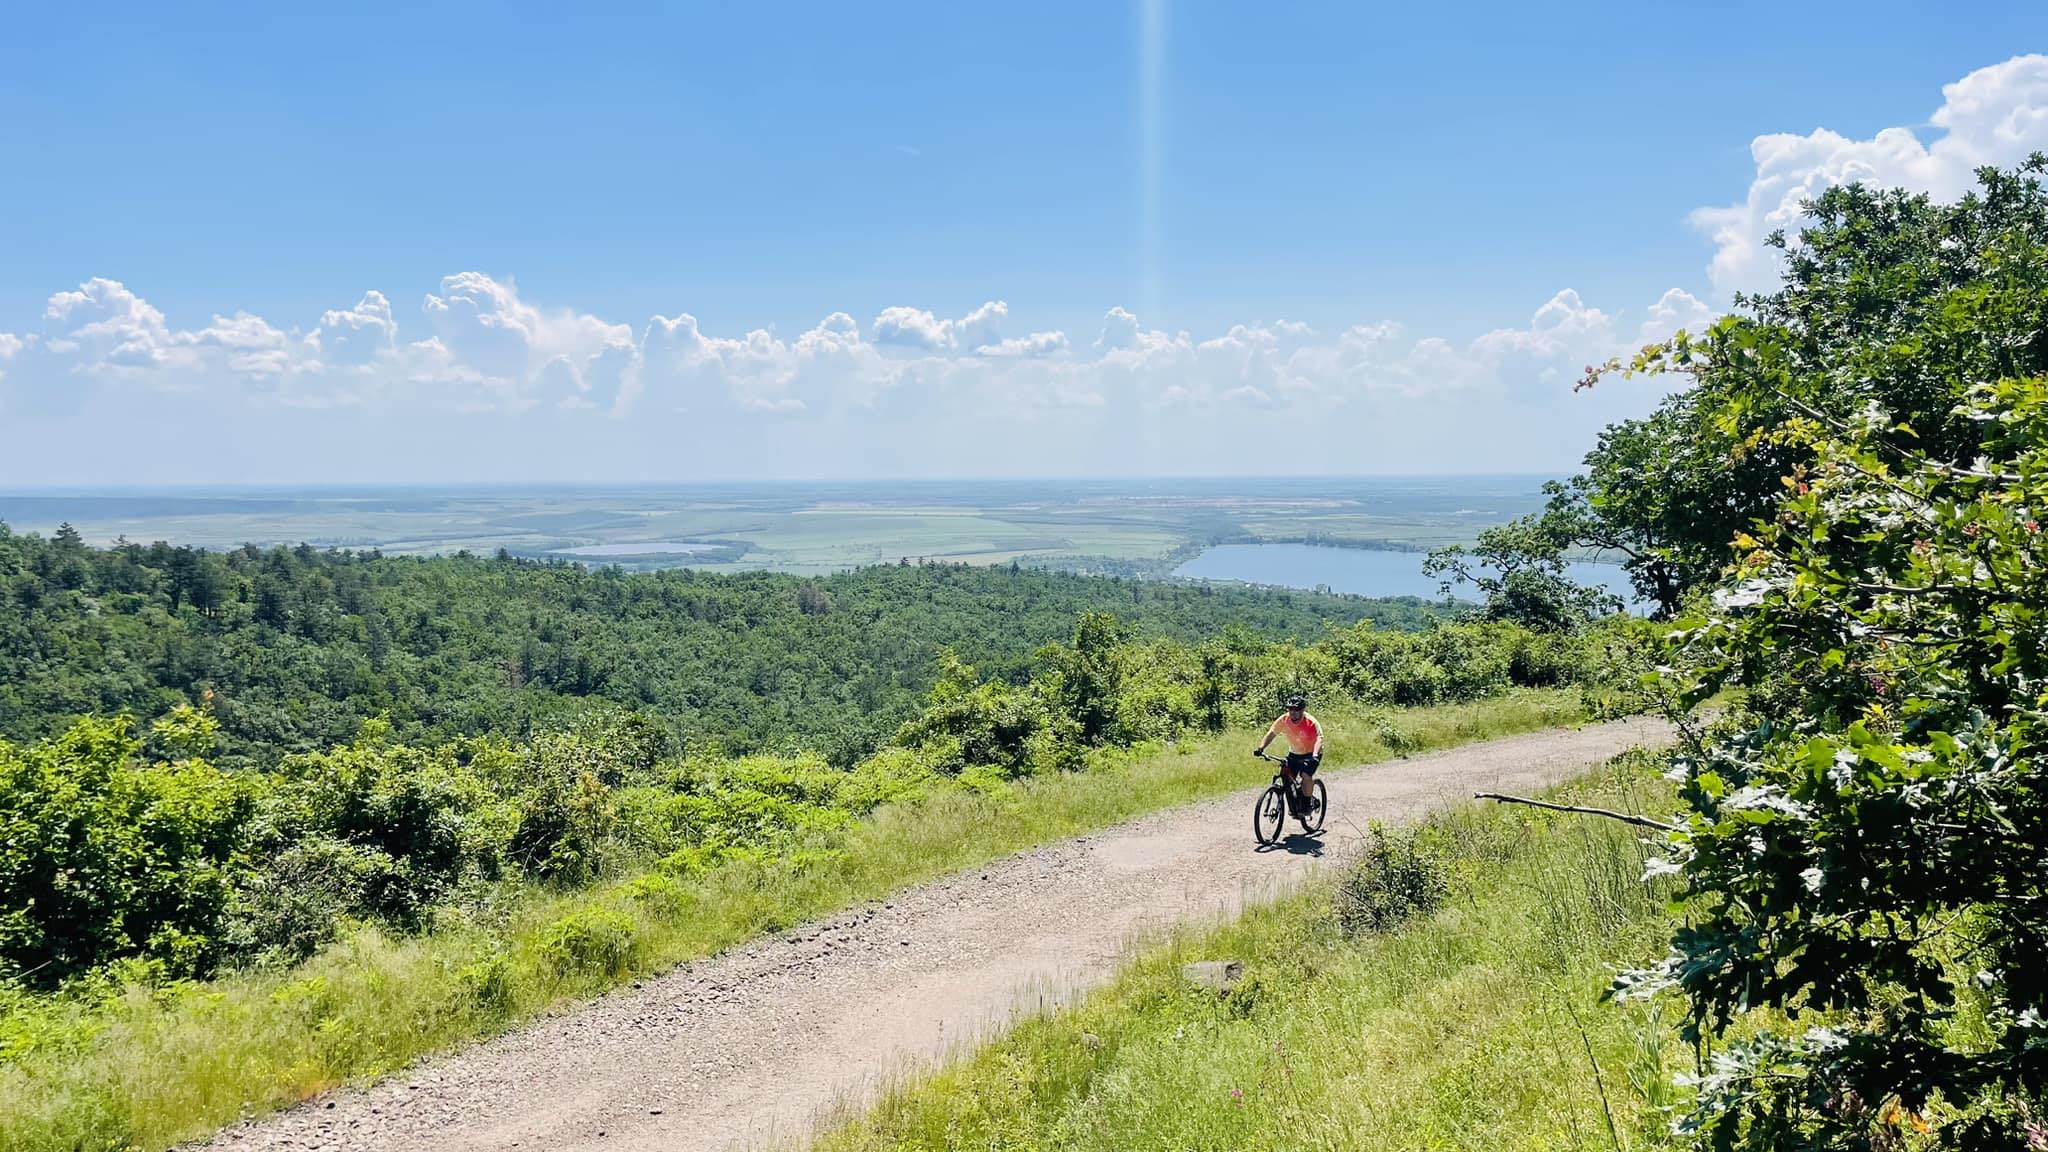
point(1270, 815)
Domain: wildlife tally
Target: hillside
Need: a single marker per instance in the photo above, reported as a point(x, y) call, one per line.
point(297, 646)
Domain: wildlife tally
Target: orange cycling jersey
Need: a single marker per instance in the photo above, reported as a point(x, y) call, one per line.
point(1302, 736)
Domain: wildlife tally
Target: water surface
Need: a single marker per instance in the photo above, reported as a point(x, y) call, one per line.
point(1359, 571)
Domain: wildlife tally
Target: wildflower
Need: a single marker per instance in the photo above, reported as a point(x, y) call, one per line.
point(1237, 1094)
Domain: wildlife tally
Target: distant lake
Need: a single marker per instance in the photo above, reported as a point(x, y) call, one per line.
point(1359, 571)
point(638, 548)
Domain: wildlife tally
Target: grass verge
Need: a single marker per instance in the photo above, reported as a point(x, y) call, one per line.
point(139, 1067)
point(1476, 1026)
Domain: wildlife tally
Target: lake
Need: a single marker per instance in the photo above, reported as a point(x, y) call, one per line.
point(1359, 571)
point(639, 548)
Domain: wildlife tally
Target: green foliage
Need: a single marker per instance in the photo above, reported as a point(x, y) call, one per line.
point(1399, 875)
point(1865, 845)
point(593, 942)
point(292, 649)
point(1520, 568)
point(103, 855)
point(120, 1059)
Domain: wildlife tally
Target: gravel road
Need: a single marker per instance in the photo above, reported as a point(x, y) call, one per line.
point(748, 1047)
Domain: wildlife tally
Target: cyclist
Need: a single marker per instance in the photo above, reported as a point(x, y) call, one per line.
point(1304, 748)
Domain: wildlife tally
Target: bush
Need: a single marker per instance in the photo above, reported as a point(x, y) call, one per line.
point(103, 856)
point(297, 900)
point(594, 942)
point(417, 823)
point(1398, 876)
point(889, 775)
point(1473, 659)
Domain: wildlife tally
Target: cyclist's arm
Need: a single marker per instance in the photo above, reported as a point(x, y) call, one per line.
point(1318, 753)
point(1272, 730)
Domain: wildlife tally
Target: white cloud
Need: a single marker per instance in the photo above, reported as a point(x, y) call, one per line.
point(359, 335)
point(949, 394)
point(521, 354)
point(1675, 310)
point(1035, 345)
point(251, 346)
point(917, 328)
point(482, 345)
point(1996, 115)
point(105, 329)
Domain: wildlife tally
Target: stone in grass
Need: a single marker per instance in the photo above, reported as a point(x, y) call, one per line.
point(1215, 975)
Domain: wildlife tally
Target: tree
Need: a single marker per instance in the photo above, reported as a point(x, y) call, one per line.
point(1520, 568)
point(1865, 843)
point(1889, 299)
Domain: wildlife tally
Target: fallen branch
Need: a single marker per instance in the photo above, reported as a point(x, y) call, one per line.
point(1624, 817)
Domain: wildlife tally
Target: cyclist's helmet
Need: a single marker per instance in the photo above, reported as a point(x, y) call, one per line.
point(1297, 701)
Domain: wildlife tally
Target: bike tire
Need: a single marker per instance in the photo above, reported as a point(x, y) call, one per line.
point(1313, 821)
point(1269, 815)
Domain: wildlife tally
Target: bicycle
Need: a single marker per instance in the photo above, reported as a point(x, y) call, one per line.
point(1279, 801)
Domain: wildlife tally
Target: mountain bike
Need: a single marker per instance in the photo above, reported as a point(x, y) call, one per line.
point(1279, 801)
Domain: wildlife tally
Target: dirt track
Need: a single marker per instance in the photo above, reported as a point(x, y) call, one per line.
point(745, 1048)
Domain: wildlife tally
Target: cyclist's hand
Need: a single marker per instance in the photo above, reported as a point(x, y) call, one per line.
point(1257, 752)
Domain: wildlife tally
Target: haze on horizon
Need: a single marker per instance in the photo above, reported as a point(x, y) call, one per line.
point(648, 246)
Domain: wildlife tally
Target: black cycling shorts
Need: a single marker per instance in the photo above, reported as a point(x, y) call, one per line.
point(1303, 762)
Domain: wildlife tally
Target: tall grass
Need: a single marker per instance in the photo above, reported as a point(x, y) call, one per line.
point(1476, 1026)
point(132, 1066)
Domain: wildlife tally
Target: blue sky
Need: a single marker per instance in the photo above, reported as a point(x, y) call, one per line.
point(1385, 206)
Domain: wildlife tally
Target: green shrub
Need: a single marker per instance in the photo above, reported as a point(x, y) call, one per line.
point(1398, 876)
point(104, 856)
point(593, 942)
point(489, 984)
point(297, 900)
point(889, 775)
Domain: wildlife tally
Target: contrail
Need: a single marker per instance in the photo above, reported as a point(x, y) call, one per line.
point(1151, 149)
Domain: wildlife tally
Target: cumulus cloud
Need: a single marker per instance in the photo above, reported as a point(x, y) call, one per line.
point(836, 396)
point(103, 328)
point(520, 354)
point(357, 336)
point(1996, 116)
point(479, 344)
point(1034, 345)
point(917, 328)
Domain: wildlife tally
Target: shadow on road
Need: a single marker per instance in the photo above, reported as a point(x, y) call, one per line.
point(1296, 844)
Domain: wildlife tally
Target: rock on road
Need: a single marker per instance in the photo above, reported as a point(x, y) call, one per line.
point(748, 1047)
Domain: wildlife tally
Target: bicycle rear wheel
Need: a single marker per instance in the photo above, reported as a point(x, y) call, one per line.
point(1269, 816)
point(1313, 821)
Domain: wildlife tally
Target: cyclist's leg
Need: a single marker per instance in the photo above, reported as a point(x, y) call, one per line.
point(1297, 775)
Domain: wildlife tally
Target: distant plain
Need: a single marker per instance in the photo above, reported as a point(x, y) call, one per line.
point(1132, 527)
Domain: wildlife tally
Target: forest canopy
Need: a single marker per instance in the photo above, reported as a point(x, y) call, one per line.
point(293, 649)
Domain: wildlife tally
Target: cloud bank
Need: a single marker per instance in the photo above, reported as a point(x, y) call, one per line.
point(479, 344)
point(478, 379)
point(1994, 116)
point(843, 396)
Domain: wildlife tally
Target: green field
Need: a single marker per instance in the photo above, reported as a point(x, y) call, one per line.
point(1137, 526)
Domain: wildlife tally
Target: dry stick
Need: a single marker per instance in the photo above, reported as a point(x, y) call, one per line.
point(1624, 817)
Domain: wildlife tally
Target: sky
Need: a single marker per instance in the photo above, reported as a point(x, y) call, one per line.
point(288, 244)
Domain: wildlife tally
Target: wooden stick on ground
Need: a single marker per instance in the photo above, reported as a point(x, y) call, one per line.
point(1624, 817)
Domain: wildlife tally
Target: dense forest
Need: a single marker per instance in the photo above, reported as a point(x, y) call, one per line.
point(293, 648)
point(138, 847)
